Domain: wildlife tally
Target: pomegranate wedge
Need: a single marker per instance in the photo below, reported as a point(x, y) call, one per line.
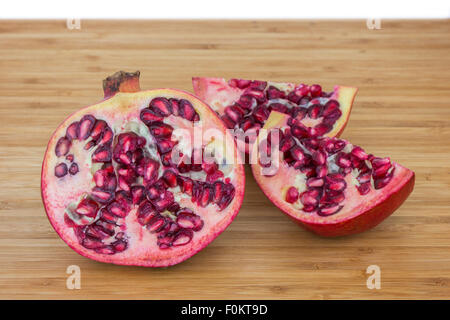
point(129, 181)
point(327, 185)
point(246, 105)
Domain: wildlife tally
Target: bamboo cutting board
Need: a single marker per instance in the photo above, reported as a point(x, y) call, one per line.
point(47, 71)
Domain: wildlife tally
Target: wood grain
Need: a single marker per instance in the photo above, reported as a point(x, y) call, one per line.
point(402, 110)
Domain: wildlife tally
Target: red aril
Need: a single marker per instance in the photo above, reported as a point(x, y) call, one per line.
point(245, 105)
point(111, 183)
point(328, 185)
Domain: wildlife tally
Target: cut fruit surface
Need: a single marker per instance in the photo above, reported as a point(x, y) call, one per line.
point(245, 105)
point(327, 185)
point(128, 181)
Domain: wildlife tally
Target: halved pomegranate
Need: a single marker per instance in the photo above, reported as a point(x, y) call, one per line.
point(137, 180)
point(326, 184)
point(245, 105)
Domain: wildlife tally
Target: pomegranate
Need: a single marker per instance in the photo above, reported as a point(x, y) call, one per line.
point(127, 181)
point(327, 185)
point(245, 105)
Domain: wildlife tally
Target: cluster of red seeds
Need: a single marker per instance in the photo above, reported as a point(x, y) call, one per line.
point(135, 181)
point(258, 99)
point(326, 165)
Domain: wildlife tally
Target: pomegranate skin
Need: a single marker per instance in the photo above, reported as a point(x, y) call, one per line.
point(117, 106)
point(363, 212)
point(364, 221)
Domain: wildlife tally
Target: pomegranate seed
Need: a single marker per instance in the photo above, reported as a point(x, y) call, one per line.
point(161, 130)
point(275, 93)
point(150, 169)
point(100, 178)
point(119, 245)
point(170, 178)
point(255, 93)
point(87, 207)
point(187, 111)
point(105, 250)
point(233, 113)
point(257, 84)
point(228, 196)
point(164, 201)
point(247, 102)
point(186, 185)
point(214, 176)
point(381, 171)
point(189, 220)
point(183, 237)
point(364, 178)
point(278, 107)
point(98, 128)
point(156, 224)
point(315, 90)
point(101, 154)
point(175, 106)
point(96, 231)
point(302, 90)
point(127, 174)
point(62, 146)
point(89, 145)
point(85, 126)
point(328, 210)
point(217, 191)
point(319, 157)
point(364, 188)
point(101, 196)
point(161, 106)
point(165, 146)
point(106, 226)
point(378, 162)
point(321, 171)
point(261, 113)
point(240, 83)
point(299, 131)
point(320, 129)
point(107, 136)
point(337, 185)
point(315, 111)
point(287, 143)
point(292, 195)
point(309, 197)
point(145, 213)
point(117, 209)
point(107, 216)
point(60, 170)
point(205, 197)
point(381, 183)
point(70, 157)
point(297, 154)
point(314, 182)
point(330, 107)
point(209, 167)
point(359, 153)
point(71, 131)
point(91, 243)
point(343, 161)
point(73, 170)
point(149, 116)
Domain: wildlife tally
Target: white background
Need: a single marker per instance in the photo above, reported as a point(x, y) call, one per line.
point(228, 9)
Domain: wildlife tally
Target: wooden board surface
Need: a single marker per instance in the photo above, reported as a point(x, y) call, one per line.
point(402, 110)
